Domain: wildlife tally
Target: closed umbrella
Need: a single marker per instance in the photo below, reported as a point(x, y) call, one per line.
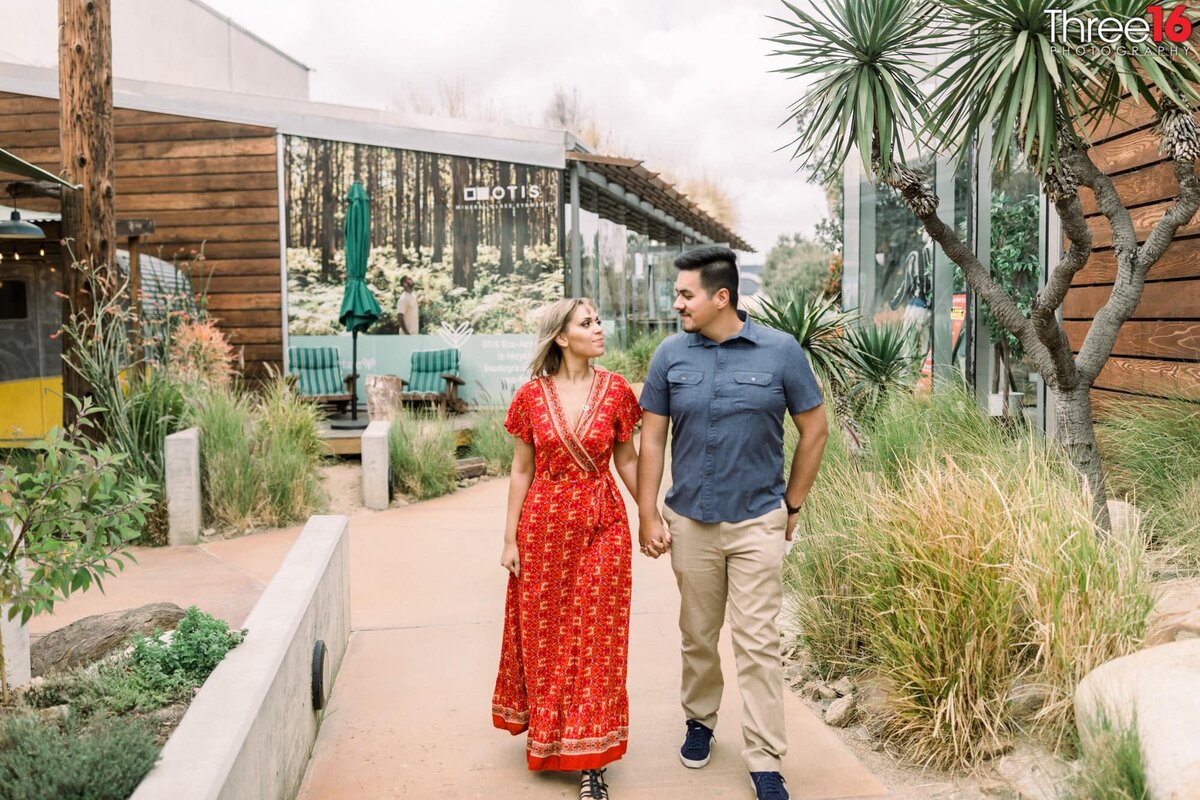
point(359, 308)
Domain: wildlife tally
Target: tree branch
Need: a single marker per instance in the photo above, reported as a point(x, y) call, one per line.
point(1003, 308)
point(1133, 264)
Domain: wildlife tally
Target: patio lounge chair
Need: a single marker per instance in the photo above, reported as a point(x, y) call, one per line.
point(433, 381)
point(317, 374)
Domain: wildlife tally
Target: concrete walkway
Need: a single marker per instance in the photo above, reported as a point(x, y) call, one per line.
point(409, 716)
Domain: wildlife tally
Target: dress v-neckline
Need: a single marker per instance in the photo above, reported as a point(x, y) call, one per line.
point(589, 402)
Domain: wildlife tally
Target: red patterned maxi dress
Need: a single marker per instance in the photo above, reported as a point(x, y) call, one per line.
point(566, 619)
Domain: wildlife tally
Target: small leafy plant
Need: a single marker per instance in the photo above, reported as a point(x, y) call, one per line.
point(67, 523)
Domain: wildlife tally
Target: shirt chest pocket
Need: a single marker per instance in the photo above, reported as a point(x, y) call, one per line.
point(756, 391)
point(685, 386)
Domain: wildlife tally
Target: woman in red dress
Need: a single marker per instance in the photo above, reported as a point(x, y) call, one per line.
point(567, 548)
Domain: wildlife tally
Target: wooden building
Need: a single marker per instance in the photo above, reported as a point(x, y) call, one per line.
point(1157, 351)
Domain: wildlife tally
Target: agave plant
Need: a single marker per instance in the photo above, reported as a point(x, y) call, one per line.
point(816, 323)
point(880, 359)
point(885, 75)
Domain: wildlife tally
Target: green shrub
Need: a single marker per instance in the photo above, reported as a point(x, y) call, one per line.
point(199, 643)
point(107, 761)
point(959, 562)
point(422, 450)
point(1151, 452)
point(491, 441)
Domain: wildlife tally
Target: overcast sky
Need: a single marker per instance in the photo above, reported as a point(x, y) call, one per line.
point(682, 84)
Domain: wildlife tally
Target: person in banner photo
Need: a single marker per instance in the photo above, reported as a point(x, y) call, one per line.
point(723, 386)
point(567, 547)
point(407, 311)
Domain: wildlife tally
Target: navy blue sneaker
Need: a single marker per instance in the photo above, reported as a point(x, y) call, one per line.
point(769, 786)
point(697, 745)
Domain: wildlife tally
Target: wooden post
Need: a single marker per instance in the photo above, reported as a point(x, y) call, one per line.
point(86, 141)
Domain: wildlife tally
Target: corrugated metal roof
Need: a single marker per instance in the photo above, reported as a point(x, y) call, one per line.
point(633, 176)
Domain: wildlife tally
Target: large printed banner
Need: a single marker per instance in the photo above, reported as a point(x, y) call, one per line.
point(480, 239)
point(493, 365)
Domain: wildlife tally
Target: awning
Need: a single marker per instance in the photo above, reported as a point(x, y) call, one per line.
point(621, 180)
point(19, 166)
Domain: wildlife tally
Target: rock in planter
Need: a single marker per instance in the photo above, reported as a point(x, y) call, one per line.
point(844, 686)
point(92, 638)
point(1155, 690)
point(841, 711)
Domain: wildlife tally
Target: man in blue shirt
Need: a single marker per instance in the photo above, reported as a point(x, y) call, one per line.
point(723, 386)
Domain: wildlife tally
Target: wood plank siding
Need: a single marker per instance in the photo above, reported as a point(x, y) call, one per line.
point(1157, 353)
point(209, 186)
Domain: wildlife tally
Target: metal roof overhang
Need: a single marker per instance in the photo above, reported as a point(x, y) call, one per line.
point(13, 165)
point(622, 189)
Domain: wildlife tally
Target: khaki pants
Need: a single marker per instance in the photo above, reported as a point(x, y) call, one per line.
point(739, 562)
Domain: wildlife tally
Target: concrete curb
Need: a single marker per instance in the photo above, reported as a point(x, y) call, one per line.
point(249, 731)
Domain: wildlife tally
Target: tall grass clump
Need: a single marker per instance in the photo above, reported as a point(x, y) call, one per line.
point(231, 474)
point(817, 575)
point(1151, 451)
point(1112, 766)
point(633, 361)
point(491, 441)
point(421, 451)
point(260, 456)
point(960, 564)
point(290, 452)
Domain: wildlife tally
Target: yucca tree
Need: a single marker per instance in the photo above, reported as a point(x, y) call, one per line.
point(892, 76)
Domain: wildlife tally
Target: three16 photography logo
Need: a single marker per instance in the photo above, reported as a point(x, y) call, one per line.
point(1161, 31)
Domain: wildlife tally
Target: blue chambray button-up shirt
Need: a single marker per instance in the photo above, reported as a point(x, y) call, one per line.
point(726, 402)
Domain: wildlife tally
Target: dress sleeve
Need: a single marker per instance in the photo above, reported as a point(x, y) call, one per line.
point(517, 422)
point(628, 413)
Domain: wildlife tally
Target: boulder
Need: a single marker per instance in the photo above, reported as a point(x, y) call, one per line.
point(1176, 614)
point(844, 686)
point(1154, 689)
point(1033, 774)
point(92, 638)
point(841, 711)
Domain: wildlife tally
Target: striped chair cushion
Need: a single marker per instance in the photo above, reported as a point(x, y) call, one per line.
point(318, 370)
point(427, 368)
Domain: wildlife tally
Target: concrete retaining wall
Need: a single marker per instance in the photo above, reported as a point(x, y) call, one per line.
point(249, 732)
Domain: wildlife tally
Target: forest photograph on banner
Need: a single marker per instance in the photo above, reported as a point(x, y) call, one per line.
point(480, 239)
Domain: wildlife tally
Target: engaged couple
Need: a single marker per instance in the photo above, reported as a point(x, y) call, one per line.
point(721, 388)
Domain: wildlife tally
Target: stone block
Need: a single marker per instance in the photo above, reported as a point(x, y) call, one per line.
point(185, 502)
point(16, 650)
point(375, 465)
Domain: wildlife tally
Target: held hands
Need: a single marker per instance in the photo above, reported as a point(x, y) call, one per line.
point(510, 559)
point(653, 537)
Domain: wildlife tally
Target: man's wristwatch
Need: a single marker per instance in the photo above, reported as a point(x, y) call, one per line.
point(791, 509)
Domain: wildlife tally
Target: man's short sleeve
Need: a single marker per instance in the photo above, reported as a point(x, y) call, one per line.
point(656, 394)
point(800, 385)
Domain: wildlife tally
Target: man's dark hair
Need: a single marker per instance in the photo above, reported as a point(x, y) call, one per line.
point(718, 269)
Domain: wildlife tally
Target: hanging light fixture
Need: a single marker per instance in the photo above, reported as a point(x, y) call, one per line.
point(17, 228)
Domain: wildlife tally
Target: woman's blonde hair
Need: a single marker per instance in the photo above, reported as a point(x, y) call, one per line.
point(547, 355)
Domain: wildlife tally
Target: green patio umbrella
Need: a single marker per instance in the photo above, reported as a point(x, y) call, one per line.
point(359, 308)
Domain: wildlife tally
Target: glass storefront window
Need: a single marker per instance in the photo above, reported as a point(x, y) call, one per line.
point(1016, 265)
